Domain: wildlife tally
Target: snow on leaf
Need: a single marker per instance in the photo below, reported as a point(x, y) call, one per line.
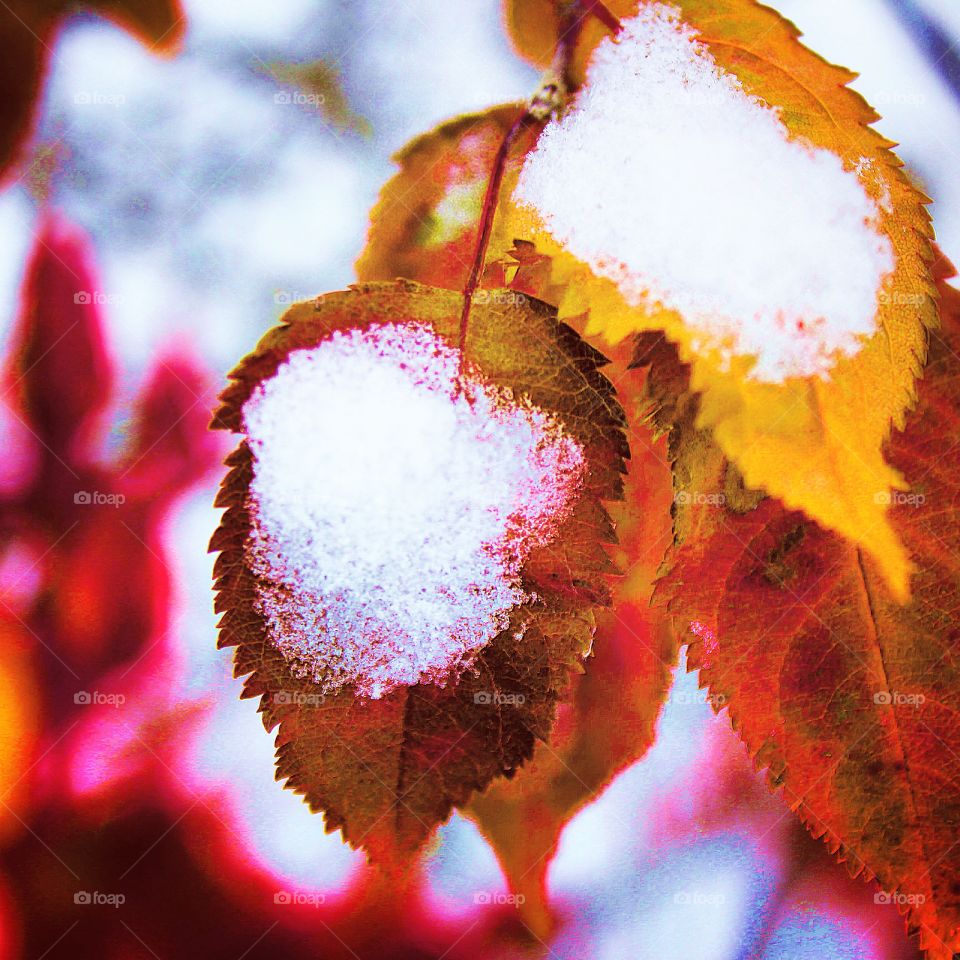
point(483, 481)
point(847, 698)
point(790, 277)
point(413, 544)
point(716, 180)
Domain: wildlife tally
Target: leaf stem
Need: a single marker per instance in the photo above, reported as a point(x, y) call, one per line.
point(544, 103)
point(487, 215)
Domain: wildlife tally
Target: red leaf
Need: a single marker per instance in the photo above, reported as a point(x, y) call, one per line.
point(849, 699)
point(62, 374)
point(171, 447)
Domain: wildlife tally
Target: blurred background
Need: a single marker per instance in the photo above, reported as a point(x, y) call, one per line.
point(140, 817)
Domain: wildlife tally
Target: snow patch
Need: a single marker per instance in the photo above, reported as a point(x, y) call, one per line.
point(667, 178)
point(393, 504)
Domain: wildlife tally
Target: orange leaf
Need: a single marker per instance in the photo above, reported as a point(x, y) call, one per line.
point(533, 26)
point(425, 224)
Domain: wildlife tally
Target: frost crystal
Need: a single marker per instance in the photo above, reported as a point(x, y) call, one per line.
point(393, 505)
point(667, 178)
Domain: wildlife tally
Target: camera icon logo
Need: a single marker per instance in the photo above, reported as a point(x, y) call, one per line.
point(83, 898)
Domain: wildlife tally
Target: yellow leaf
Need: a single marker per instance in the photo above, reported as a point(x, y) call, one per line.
point(815, 442)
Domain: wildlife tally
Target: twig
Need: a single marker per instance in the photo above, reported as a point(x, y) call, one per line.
point(545, 102)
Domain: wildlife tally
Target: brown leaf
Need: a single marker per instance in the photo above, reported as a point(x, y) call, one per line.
point(322, 88)
point(388, 771)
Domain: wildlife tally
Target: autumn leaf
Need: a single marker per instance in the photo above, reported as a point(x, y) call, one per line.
point(386, 759)
point(20, 729)
point(650, 194)
point(60, 373)
point(609, 721)
point(847, 698)
point(425, 224)
point(28, 33)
